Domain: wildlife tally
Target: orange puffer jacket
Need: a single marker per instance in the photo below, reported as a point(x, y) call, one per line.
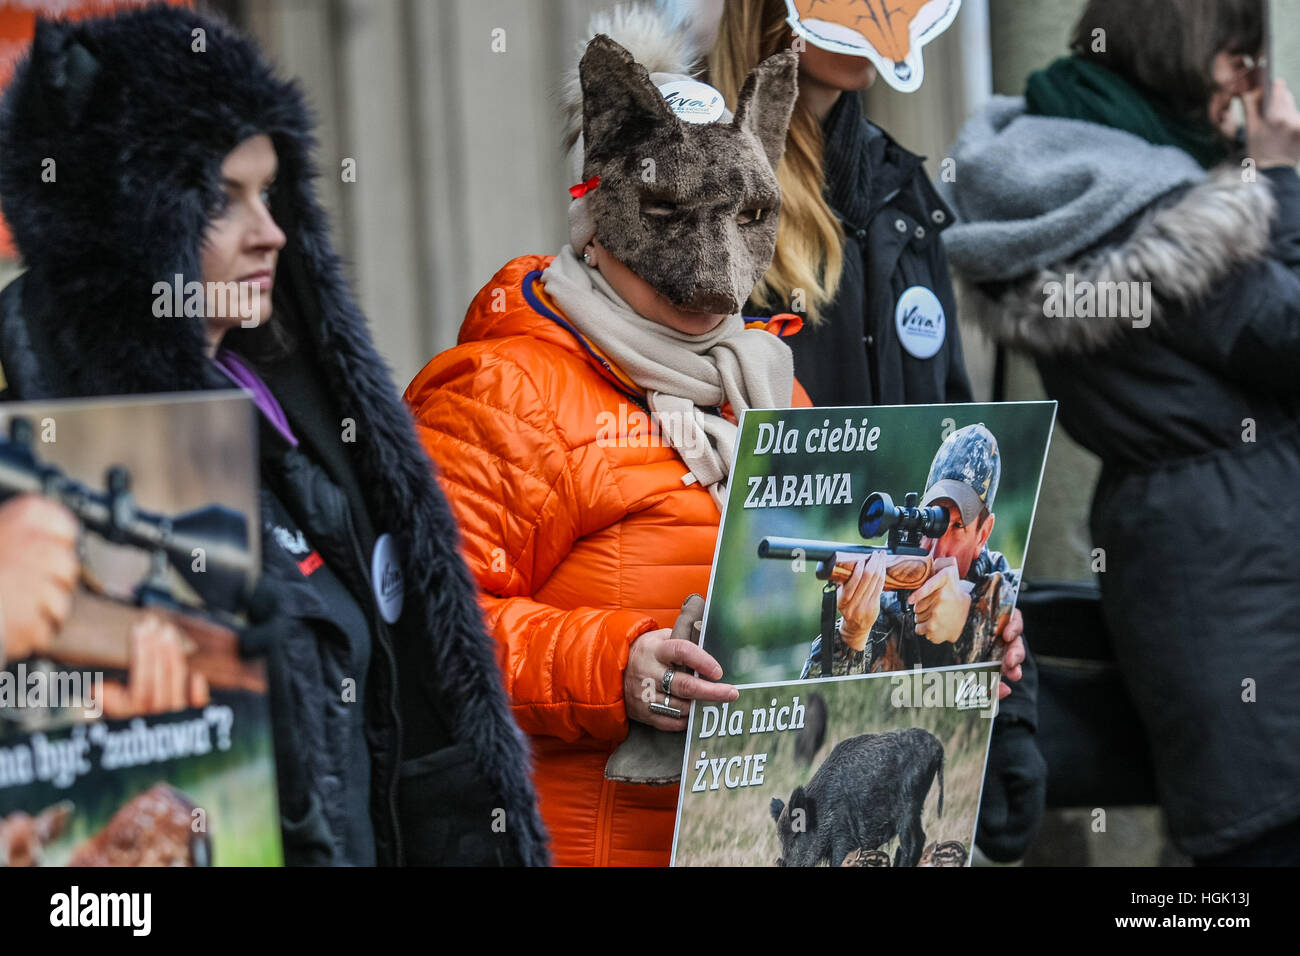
point(582, 536)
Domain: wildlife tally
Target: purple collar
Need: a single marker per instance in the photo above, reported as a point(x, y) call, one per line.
point(247, 379)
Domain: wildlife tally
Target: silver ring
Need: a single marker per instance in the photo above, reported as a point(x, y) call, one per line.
point(667, 682)
point(664, 710)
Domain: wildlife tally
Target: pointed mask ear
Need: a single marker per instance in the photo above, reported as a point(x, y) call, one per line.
point(621, 107)
point(766, 101)
point(66, 68)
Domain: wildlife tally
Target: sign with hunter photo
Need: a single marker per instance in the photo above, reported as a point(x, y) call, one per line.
point(861, 550)
point(131, 731)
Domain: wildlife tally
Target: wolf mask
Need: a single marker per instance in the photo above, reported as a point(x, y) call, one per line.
point(689, 207)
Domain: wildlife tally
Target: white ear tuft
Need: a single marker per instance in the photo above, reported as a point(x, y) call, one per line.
point(655, 38)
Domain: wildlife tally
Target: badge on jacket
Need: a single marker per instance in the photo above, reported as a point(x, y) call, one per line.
point(386, 579)
point(295, 543)
point(920, 321)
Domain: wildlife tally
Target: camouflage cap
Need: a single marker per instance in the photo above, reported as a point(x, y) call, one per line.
point(966, 469)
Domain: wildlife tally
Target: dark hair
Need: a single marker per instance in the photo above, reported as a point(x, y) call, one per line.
point(265, 344)
point(1166, 48)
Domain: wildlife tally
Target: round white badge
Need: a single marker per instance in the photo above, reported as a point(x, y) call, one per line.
point(386, 579)
point(920, 322)
point(693, 101)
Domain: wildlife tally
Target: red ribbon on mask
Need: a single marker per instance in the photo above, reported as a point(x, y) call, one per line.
point(580, 190)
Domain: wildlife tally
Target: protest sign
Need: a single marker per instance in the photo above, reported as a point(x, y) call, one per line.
point(867, 566)
point(134, 733)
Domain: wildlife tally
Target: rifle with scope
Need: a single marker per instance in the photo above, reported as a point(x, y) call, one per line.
point(207, 547)
point(908, 565)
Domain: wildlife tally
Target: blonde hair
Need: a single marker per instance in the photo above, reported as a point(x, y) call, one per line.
point(809, 240)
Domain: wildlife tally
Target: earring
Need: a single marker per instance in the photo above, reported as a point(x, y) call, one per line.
point(586, 257)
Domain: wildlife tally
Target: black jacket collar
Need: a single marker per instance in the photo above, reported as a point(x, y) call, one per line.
point(864, 167)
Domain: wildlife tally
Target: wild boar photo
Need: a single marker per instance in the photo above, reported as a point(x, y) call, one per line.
point(868, 772)
point(870, 789)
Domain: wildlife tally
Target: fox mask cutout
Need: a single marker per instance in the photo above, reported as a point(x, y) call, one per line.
point(689, 207)
point(890, 33)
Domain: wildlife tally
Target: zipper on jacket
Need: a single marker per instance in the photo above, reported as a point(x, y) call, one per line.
point(382, 638)
point(605, 822)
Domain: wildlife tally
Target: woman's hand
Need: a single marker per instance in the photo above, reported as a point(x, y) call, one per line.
point(651, 655)
point(1272, 136)
point(859, 598)
point(1013, 653)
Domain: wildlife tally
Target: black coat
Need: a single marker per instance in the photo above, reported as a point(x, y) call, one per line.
point(892, 220)
point(1196, 419)
point(138, 125)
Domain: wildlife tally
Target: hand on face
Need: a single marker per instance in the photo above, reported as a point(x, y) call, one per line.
point(1233, 77)
point(953, 554)
point(1272, 134)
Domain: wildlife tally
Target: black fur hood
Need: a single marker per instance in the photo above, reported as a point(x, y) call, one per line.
point(112, 134)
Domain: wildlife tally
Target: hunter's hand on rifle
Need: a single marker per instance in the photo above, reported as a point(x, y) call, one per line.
point(941, 604)
point(159, 681)
point(38, 573)
point(859, 598)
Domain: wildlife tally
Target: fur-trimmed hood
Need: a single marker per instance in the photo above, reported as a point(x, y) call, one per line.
point(113, 133)
point(135, 114)
point(1051, 208)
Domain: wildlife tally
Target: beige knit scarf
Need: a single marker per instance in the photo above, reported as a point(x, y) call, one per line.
point(685, 377)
